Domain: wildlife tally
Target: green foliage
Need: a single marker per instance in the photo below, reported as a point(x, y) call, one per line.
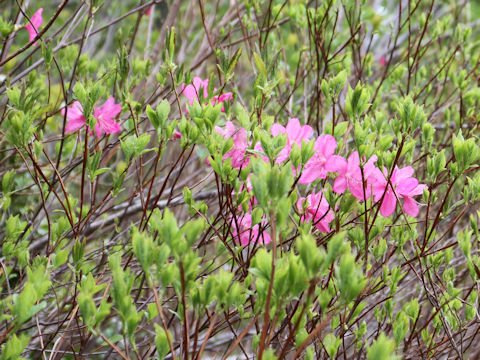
point(134, 146)
point(382, 348)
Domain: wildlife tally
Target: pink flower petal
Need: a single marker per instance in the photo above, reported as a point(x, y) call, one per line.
point(198, 83)
point(74, 116)
point(400, 174)
point(410, 206)
point(312, 173)
point(418, 190)
point(353, 159)
point(35, 22)
point(293, 127)
point(109, 126)
point(190, 93)
point(336, 164)
point(388, 205)
point(340, 184)
point(326, 145)
point(369, 167)
point(305, 133)
point(283, 154)
point(74, 125)
point(407, 185)
point(277, 129)
point(356, 188)
point(109, 110)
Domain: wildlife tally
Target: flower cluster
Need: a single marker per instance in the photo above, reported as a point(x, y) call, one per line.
point(246, 233)
point(359, 176)
point(362, 180)
point(104, 114)
point(192, 92)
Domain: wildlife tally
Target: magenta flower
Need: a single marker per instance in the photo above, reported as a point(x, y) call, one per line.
point(176, 135)
point(404, 186)
point(350, 175)
point(322, 160)
point(258, 148)
point(191, 91)
point(221, 98)
point(244, 233)
point(295, 134)
point(104, 114)
point(75, 117)
point(240, 144)
point(35, 22)
point(317, 210)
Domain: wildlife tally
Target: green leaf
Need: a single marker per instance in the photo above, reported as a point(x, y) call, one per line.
point(381, 349)
point(161, 341)
point(331, 344)
point(260, 65)
point(14, 347)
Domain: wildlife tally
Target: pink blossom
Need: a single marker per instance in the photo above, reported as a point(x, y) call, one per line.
point(191, 91)
point(176, 135)
point(295, 134)
point(35, 22)
point(245, 233)
point(317, 210)
point(148, 11)
point(104, 115)
point(75, 117)
point(404, 186)
point(322, 160)
point(382, 60)
point(258, 148)
point(240, 144)
point(221, 98)
point(350, 175)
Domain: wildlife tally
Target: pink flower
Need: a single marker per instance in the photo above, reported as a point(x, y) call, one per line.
point(322, 160)
point(148, 11)
point(75, 117)
point(191, 91)
point(350, 175)
point(240, 144)
point(404, 186)
point(258, 148)
point(176, 135)
point(221, 98)
point(245, 233)
point(104, 115)
point(382, 60)
point(295, 134)
point(35, 22)
point(317, 210)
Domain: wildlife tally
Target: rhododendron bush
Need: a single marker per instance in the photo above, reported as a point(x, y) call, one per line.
point(241, 179)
